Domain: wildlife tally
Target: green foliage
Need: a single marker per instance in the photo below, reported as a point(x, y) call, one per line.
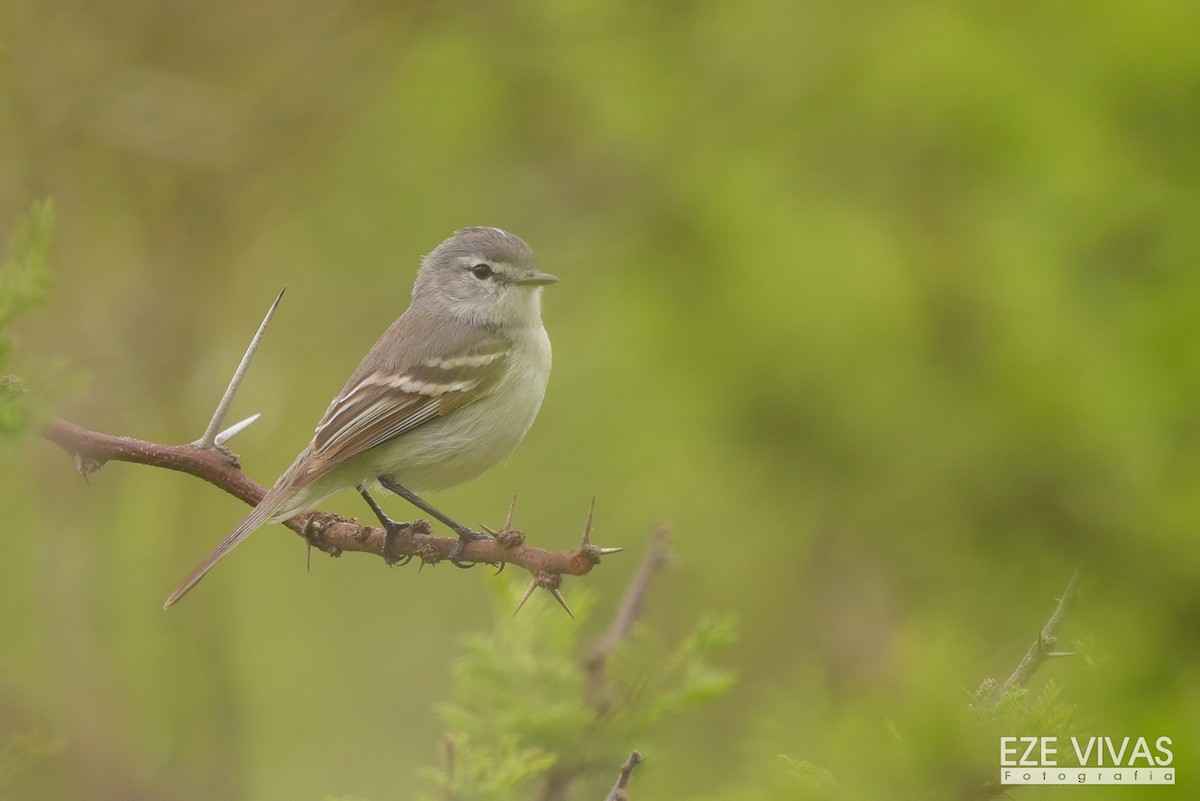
point(24, 283)
point(24, 275)
point(649, 680)
point(498, 771)
point(529, 706)
point(1020, 710)
point(814, 783)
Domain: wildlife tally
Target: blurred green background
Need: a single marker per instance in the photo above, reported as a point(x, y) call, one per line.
point(889, 309)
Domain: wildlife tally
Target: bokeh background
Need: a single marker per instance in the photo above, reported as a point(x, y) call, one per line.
point(889, 309)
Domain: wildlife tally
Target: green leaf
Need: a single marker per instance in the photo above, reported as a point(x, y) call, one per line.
point(24, 276)
point(24, 283)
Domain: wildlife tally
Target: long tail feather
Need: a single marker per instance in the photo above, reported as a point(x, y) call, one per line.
point(269, 505)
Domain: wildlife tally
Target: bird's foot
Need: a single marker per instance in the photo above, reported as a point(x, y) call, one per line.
point(465, 536)
point(393, 529)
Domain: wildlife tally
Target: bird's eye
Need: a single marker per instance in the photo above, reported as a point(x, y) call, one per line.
point(482, 271)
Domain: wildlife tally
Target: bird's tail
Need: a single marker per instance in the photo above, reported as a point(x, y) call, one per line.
point(268, 506)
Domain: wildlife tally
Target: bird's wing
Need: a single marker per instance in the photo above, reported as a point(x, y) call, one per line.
point(386, 404)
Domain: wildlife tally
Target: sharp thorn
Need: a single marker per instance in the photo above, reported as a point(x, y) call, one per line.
point(209, 438)
point(607, 551)
point(587, 527)
point(79, 465)
point(235, 429)
point(308, 557)
point(561, 601)
point(512, 508)
point(525, 597)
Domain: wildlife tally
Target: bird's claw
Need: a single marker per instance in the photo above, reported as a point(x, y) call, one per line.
point(392, 529)
point(465, 535)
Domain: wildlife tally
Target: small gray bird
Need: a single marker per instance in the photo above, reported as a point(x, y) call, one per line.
point(447, 393)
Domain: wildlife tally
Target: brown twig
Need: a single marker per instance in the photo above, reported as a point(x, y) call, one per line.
point(551, 580)
point(330, 533)
point(631, 607)
point(618, 791)
point(560, 777)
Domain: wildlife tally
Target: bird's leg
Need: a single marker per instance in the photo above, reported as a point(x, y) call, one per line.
point(390, 526)
point(465, 534)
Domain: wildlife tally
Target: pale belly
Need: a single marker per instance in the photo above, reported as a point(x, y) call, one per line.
point(447, 451)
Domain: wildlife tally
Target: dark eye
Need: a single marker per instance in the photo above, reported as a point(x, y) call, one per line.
point(482, 271)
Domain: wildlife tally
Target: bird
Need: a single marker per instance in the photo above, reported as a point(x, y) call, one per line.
point(447, 392)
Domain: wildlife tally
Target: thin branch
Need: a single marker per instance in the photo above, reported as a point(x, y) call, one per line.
point(1044, 648)
point(560, 777)
point(550, 581)
point(91, 450)
point(210, 438)
point(618, 791)
point(632, 604)
point(330, 533)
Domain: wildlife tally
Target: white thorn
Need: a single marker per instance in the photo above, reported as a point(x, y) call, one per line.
point(587, 527)
point(235, 429)
point(209, 439)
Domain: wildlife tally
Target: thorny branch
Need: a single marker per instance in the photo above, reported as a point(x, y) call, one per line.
point(1043, 649)
point(992, 692)
point(208, 459)
point(322, 530)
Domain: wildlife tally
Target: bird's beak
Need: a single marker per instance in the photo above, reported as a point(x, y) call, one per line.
point(537, 279)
